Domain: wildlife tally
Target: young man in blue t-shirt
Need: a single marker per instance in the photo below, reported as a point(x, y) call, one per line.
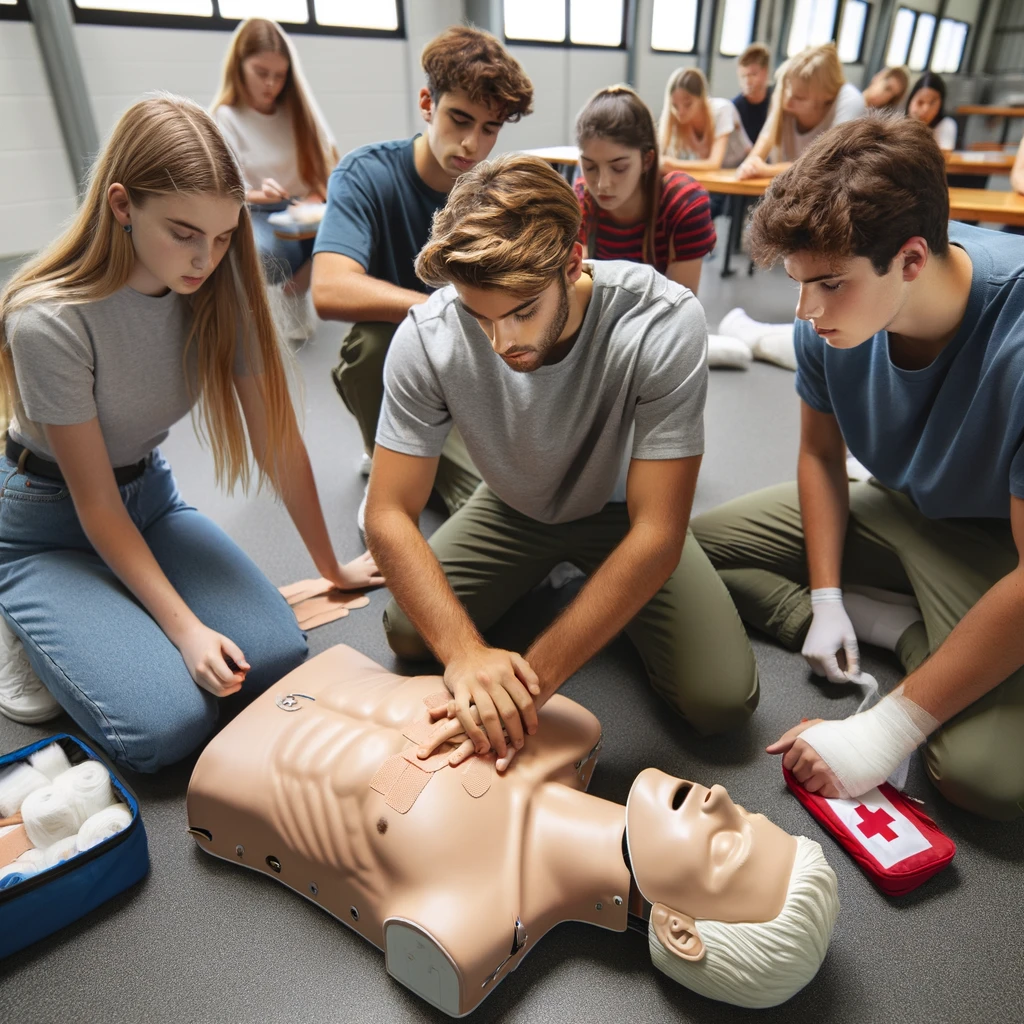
point(910, 351)
point(381, 200)
point(755, 95)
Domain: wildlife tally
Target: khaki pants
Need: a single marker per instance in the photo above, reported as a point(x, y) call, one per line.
point(757, 545)
point(359, 378)
point(689, 636)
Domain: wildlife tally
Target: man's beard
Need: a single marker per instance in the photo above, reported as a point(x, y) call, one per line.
point(553, 332)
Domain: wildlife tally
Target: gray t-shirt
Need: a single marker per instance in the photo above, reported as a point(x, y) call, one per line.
point(551, 443)
point(119, 359)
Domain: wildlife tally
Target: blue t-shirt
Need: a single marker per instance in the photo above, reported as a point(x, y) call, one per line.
point(950, 436)
point(379, 212)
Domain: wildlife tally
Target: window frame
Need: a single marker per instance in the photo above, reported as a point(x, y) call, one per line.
point(863, 35)
point(910, 40)
point(727, 56)
point(695, 52)
point(17, 11)
point(216, 23)
point(963, 51)
point(931, 42)
point(566, 43)
point(784, 41)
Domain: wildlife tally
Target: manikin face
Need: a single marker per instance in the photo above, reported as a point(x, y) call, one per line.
point(264, 76)
point(685, 106)
point(753, 81)
point(523, 330)
point(612, 172)
point(178, 240)
point(805, 103)
point(845, 301)
point(460, 133)
point(695, 851)
point(882, 90)
point(925, 105)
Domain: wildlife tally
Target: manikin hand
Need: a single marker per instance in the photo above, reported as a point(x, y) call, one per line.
point(830, 632)
point(500, 684)
point(360, 573)
point(205, 653)
point(805, 763)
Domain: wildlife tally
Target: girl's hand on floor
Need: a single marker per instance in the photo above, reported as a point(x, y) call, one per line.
point(206, 654)
point(360, 573)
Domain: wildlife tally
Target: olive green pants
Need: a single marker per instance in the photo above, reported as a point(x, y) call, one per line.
point(689, 636)
point(359, 378)
point(757, 545)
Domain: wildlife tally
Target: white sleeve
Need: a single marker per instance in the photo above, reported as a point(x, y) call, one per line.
point(228, 125)
point(726, 118)
point(945, 133)
point(849, 104)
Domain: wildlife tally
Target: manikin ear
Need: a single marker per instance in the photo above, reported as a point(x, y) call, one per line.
point(677, 932)
point(120, 205)
point(426, 105)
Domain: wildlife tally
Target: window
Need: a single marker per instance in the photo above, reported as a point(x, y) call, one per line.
point(923, 32)
point(949, 46)
point(851, 31)
point(674, 25)
point(574, 22)
point(814, 22)
point(737, 27)
point(330, 17)
point(899, 41)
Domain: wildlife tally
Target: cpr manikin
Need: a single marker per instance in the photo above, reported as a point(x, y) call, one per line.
point(456, 873)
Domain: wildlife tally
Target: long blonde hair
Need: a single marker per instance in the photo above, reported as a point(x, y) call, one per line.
point(169, 145)
point(674, 138)
point(316, 154)
point(818, 66)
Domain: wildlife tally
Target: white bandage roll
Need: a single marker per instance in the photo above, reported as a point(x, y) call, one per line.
point(16, 782)
point(51, 761)
point(103, 825)
point(864, 749)
point(31, 862)
point(63, 849)
point(88, 788)
point(49, 816)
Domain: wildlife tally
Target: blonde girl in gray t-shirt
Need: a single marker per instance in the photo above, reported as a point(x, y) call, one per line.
point(136, 612)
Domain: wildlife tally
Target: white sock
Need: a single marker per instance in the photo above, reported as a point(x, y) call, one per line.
point(726, 351)
point(878, 622)
point(776, 346)
point(736, 324)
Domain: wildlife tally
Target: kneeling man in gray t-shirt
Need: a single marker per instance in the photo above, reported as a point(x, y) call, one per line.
point(561, 375)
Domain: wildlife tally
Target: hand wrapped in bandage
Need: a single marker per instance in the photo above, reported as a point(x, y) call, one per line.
point(849, 757)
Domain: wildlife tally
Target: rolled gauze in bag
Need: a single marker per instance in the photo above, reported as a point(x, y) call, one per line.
point(51, 761)
point(63, 849)
point(29, 863)
point(16, 782)
point(88, 789)
point(50, 815)
point(103, 825)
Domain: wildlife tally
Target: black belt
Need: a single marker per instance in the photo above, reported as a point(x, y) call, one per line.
point(29, 462)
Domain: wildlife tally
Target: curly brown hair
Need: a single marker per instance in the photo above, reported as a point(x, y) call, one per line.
point(474, 61)
point(862, 189)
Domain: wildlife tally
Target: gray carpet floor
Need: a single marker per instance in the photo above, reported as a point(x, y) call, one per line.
point(200, 940)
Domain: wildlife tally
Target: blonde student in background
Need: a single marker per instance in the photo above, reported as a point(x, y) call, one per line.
point(269, 118)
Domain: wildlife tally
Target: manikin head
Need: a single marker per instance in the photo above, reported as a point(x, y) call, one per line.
point(855, 221)
point(474, 86)
point(741, 911)
point(508, 241)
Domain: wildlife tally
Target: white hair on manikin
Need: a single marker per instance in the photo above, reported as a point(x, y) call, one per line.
point(761, 965)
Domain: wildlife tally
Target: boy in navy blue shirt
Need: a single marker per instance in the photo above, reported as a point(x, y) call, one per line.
point(910, 351)
point(381, 200)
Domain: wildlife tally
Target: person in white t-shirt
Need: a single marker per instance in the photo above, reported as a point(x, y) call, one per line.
point(811, 96)
point(698, 132)
point(269, 119)
point(926, 103)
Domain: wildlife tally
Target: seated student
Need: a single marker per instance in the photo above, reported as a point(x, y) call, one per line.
point(269, 119)
point(137, 612)
point(927, 103)
point(811, 96)
point(886, 89)
point(631, 209)
point(698, 132)
point(559, 374)
point(381, 201)
point(910, 343)
point(755, 93)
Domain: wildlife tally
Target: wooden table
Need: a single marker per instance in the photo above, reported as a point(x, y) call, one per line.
point(1006, 113)
point(980, 162)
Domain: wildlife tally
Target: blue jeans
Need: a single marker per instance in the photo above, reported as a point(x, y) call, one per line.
point(282, 257)
point(98, 651)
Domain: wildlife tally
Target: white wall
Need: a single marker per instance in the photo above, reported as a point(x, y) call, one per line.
point(37, 189)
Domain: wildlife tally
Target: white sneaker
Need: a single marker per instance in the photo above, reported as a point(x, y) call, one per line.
point(365, 464)
point(361, 514)
point(23, 698)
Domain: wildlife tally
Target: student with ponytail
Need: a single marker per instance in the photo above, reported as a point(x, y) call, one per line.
point(138, 613)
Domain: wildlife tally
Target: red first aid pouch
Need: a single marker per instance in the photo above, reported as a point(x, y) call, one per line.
point(895, 843)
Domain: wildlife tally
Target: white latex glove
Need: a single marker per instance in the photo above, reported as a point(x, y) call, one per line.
point(830, 632)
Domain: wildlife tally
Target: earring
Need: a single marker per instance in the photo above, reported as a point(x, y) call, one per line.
point(127, 229)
